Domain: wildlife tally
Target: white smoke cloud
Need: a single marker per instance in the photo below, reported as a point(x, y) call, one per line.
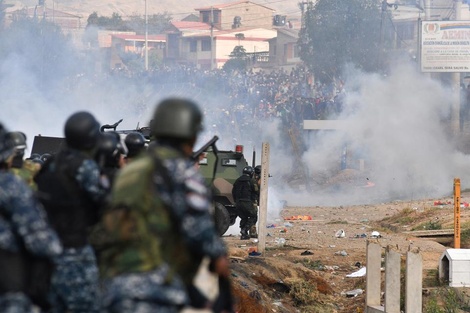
point(399, 126)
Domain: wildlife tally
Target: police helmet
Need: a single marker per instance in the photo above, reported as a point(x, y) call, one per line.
point(176, 118)
point(7, 146)
point(135, 143)
point(18, 139)
point(35, 156)
point(82, 131)
point(45, 156)
point(107, 150)
point(248, 170)
point(258, 169)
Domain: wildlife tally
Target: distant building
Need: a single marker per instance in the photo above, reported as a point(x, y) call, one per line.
point(66, 21)
point(238, 14)
point(196, 48)
point(127, 43)
point(283, 49)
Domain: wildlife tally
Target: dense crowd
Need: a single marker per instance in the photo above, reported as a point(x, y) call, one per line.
point(252, 97)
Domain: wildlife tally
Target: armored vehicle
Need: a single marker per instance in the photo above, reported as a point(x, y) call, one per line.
point(228, 167)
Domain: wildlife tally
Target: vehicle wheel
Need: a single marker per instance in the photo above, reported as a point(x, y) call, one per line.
point(221, 217)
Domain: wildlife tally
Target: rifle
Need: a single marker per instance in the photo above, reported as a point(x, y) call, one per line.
point(196, 154)
point(113, 127)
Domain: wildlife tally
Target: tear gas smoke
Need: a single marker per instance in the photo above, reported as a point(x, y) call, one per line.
point(397, 123)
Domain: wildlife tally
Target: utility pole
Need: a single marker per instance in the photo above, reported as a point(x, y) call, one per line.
point(212, 38)
point(146, 39)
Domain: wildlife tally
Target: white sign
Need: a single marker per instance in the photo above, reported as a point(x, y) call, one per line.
point(445, 46)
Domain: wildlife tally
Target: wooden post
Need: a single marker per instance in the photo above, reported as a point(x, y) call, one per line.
point(457, 213)
point(263, 198)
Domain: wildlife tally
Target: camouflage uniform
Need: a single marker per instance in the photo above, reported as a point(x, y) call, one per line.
point(27, 171)
point(162, 227)
point(256, 188)
point(27, 226)
point(75, 283)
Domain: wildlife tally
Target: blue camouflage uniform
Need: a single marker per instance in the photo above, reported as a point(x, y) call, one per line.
point(26, 226)
point(162, 226)
point(75, 282)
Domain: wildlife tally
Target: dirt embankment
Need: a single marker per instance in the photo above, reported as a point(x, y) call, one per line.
point(306, 262)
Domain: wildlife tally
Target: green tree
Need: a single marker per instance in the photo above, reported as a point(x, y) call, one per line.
point(157, 23)
point(115, 22)
point(237, 60)
point(337, 33)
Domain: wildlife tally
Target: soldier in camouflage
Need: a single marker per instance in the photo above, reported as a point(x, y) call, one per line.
point(256, 181)
point(70, 189)
point(159, 218)
point(22, 226)
point(25, 169)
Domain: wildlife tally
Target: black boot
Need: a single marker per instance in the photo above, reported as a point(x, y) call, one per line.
point(244, 234)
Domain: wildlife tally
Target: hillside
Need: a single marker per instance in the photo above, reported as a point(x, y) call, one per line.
point(178, 9)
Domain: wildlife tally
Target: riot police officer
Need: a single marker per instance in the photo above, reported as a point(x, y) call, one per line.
point(170, 228)
point(135, 144)
point(25, 169)
point(24, 231)
point(244, 194)
point(70, 189)
point(108, 155)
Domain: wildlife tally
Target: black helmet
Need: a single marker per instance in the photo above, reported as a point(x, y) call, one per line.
point(248, 170)
point(35, 156)
point(7, 146)
point(107, 152)
point(135, 143)
point(176, 118)
point(258, 169)
point(19, 140)
point(82, 131)
point(45, 156)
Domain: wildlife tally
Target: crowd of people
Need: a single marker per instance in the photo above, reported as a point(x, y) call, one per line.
point(99, 228)
point(245, 99)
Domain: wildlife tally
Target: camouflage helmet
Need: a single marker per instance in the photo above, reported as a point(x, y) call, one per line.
point(176, 118)
point(248, 170)
point(135, 143)
point(82, 131)
point(7, 146)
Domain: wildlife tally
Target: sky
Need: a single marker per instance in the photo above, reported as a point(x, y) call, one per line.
point(399, 125)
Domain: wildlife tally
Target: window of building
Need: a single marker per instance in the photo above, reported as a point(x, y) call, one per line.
point(206, 44)
point(206, 17)
point(193, 46)
point(216, 17)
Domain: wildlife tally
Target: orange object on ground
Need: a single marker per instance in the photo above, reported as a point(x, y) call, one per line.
point(299, 218)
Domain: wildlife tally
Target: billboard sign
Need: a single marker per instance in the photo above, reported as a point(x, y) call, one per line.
point(445, 46)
